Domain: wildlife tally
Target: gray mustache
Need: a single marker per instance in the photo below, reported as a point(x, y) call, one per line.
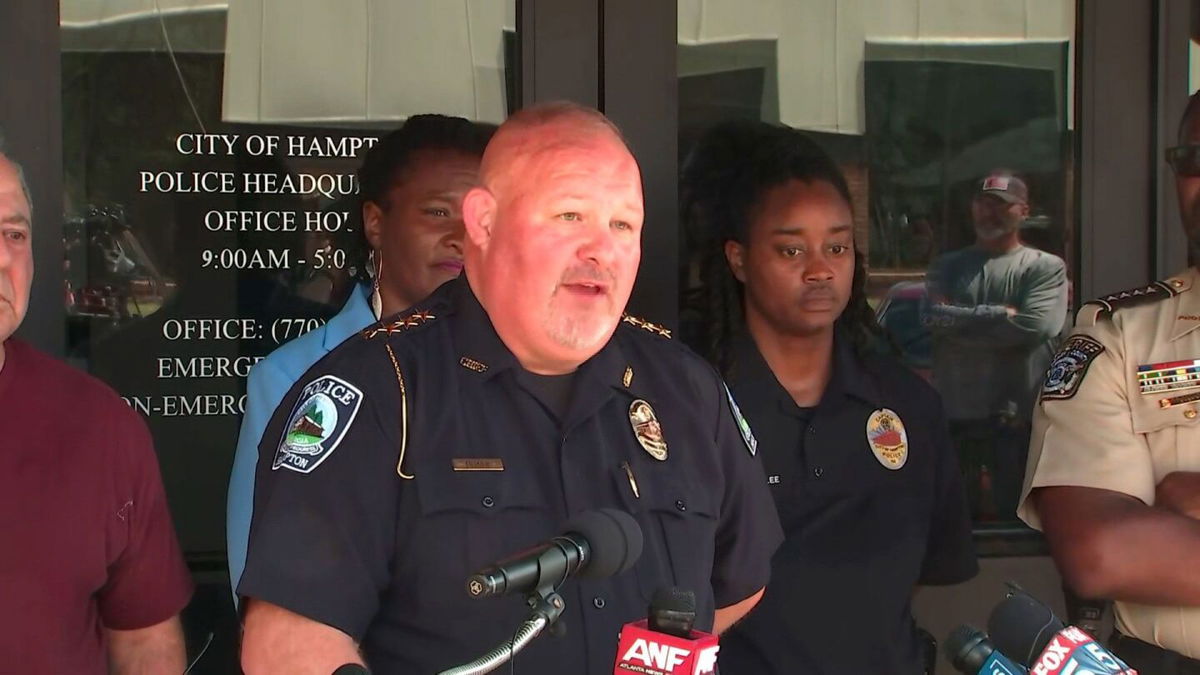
point(585, 274)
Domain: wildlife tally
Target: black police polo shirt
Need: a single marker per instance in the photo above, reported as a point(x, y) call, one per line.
point(340, 536)
point(859, 534)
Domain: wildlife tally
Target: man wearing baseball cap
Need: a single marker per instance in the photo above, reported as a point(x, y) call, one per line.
point(995, 309)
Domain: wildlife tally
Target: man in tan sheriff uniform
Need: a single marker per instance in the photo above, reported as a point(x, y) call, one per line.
point(1114, 462)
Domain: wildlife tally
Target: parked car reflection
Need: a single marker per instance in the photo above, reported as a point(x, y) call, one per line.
point(901, 313)
point(108, 273)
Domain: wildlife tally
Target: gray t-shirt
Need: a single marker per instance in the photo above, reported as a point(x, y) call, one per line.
point(986, 360)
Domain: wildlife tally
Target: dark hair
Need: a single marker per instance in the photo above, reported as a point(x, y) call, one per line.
point(392, 155)
point(724, 179)
point(385, 163)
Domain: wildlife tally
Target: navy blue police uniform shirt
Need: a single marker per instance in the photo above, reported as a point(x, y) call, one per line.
point(342, 536)
point(871, 501)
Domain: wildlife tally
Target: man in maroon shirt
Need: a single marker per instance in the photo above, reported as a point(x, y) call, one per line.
point(91, 576)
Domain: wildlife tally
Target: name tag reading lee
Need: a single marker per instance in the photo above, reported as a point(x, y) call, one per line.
point(477, 464)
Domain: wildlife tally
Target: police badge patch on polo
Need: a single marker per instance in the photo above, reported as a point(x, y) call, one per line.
point(888, 439)
point(323, 413)
point(1069, 366)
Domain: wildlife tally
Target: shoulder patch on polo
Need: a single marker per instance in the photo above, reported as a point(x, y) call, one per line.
point(742, 425)
point(318, 423)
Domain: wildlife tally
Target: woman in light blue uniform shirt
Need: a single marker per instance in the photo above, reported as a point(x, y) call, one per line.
point(411, 187)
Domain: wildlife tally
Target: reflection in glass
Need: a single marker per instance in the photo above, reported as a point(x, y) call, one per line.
point(211, 207)
point(124, 282)
point(996, 309)
point(917, 102)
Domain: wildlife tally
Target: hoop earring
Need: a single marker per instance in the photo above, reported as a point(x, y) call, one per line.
point(376, 299)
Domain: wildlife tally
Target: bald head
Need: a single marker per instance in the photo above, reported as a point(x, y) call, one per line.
point(554, 234)
point(541, 128)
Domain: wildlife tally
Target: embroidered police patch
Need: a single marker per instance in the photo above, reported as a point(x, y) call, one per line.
point(1069, 366)
point(322, 415)
point(743, 425)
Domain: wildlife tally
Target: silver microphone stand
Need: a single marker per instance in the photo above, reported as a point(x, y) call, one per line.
point(546, 606)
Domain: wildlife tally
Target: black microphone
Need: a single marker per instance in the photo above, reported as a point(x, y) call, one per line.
point(1023, 626)
point(596, 544)
point(970, 651)
point(672, 611)
point(666, 643)
point(1028, 630)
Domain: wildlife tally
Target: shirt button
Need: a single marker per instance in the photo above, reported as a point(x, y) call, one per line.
point(818, 472)
point(680, 505)
point(488, 502)
point(598, 602)
point(1190, 413)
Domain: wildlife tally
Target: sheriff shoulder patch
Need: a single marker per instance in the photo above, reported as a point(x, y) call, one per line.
point(322, 415)
point(1069, 366)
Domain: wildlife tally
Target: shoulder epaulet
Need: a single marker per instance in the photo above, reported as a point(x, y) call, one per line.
point(1159, 290)
point(400, 325)
point(647, 326)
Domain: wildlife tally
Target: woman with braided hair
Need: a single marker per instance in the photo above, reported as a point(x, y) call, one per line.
point(854, 445)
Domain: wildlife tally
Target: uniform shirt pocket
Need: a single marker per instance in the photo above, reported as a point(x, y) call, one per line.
point(1150, 416)
point(1172, 433)
point(470, 520)
point(679, 525)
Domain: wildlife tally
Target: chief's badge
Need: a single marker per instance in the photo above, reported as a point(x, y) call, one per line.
point(647, 429)
point(1068, 368)
point(888, 439)
point(322, 415)
point(742, 424)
